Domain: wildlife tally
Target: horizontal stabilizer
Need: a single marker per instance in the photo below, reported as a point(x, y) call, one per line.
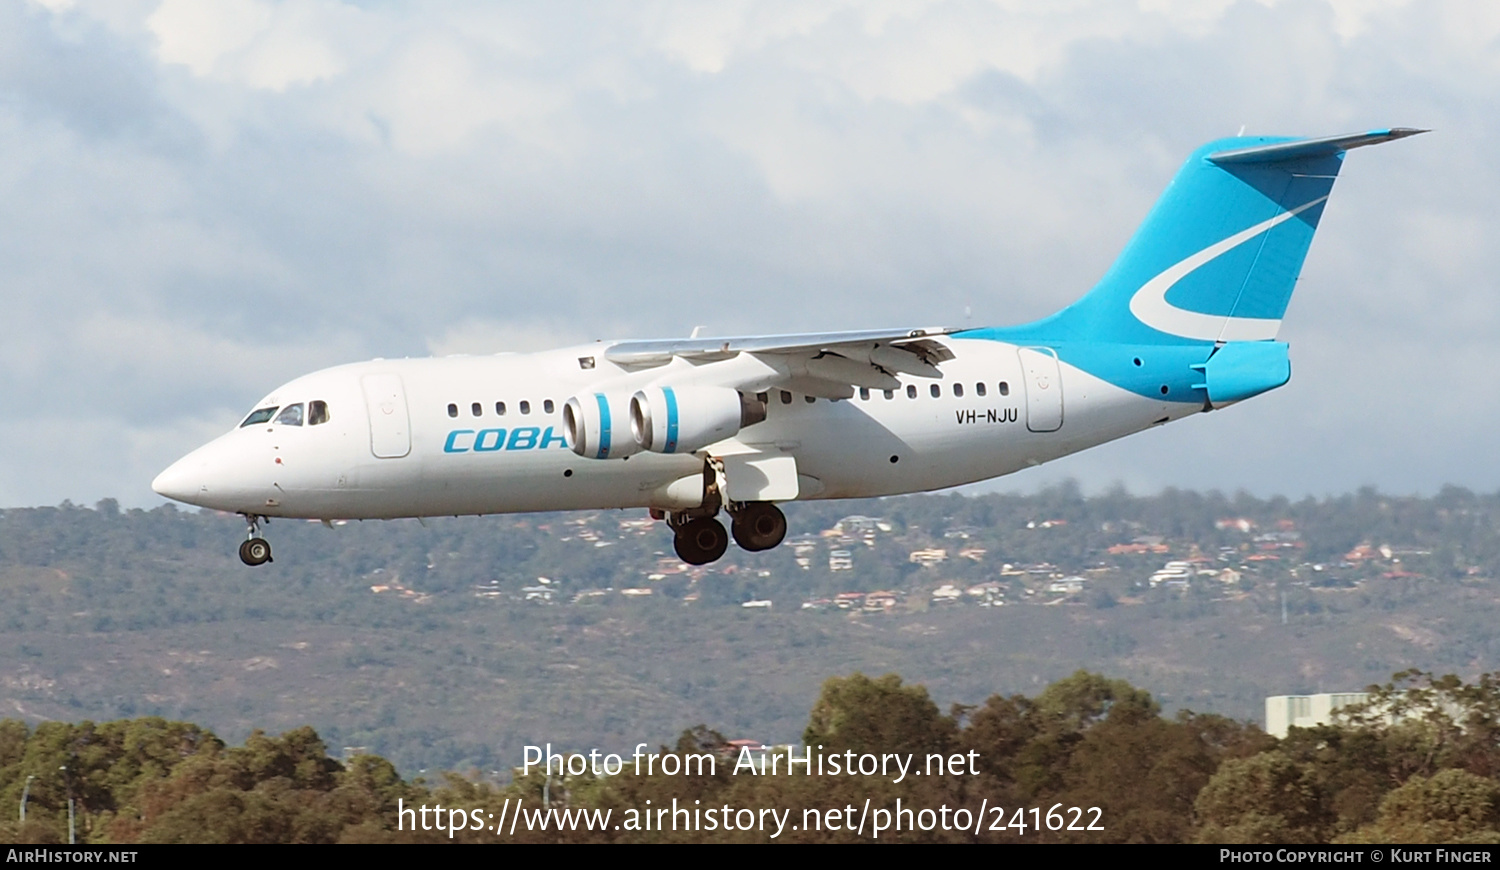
point(1304, 148)
point(1241, 369)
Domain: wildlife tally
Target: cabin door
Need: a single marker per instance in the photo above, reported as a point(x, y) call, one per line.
point(1044, 398)
point(390, 425)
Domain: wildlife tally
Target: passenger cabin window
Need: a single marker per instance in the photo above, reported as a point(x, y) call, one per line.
point(1004, 388)
point(786, 398)
point(317, 412)
point(958, 390)
point(476, 409)
point(500, 408)
point(525, 407)
point(935, 390)
point(890, 394)
point(911, 391)
point(291, 415)
point(259, 415)
point(979, 388)
point(864, 394)
point(547, 406)
point(810, 399)
point(452, 410)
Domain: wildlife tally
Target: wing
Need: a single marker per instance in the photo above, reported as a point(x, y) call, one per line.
point(824, 364)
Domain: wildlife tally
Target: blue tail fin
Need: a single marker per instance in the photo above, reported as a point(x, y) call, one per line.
point(1218, 256)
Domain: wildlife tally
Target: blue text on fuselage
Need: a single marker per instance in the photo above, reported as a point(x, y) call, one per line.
point(493, 440)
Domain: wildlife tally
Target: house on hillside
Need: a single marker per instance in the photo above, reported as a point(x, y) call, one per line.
point(947, 594)
point(928, 558)
point(859, 525)
point(1239, 524)
point(1067, 585)
point(1176, 574)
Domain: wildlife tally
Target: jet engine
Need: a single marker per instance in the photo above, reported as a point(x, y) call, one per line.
point(596, 427)
point(684, 419)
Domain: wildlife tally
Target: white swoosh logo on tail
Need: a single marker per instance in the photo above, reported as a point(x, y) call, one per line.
point(1150, 305)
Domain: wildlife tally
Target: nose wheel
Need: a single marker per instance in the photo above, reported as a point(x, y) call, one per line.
point(255, 550)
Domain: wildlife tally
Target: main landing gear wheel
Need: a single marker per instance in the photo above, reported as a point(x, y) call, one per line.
point(700, 541)
point(759, 525)
point(256, 551)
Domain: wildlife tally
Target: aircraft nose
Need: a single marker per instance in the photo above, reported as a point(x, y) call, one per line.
point(181, 481)
point(222, 475)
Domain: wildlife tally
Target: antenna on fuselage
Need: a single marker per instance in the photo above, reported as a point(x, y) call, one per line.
point(697, 330)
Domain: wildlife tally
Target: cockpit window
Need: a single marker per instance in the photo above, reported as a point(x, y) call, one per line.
point(291, 415)
point(259, 415)
point(317, 412)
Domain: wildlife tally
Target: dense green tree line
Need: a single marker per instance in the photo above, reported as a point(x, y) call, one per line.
point(1417, 764)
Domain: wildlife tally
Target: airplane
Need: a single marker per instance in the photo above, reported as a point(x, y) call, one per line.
point(1185, 321)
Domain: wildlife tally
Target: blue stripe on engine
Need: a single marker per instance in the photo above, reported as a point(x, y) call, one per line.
point(671, 419)
point(603, 425)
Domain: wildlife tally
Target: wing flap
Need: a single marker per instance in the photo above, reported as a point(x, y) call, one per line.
point(709, 348)
point(825, 364)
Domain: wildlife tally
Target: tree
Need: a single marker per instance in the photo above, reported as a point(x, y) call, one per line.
point(880, 716)
point(1075, 703)
point(1451, 806)
point(1432, 723)
point(1264, 799)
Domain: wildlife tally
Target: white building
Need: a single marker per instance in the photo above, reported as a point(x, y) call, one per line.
point(929, 557)
point(947, 594)
point(1067, 585)
point(1173, 574)
point(1305, 711)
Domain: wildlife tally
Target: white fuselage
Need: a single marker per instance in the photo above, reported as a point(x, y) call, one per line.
point(427, 437)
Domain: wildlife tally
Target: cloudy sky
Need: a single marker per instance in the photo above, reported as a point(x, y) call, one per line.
point(200, 199)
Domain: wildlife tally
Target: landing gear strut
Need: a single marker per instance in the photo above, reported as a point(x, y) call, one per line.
point(758, 525)
point(256, 550)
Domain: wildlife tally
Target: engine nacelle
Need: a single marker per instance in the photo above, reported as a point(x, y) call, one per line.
point(596, 426)
point(684, 419)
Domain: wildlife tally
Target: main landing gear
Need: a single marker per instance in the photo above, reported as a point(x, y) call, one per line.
point(757, 525)
point(700, 541)
point(700, 538)
point(256, 550)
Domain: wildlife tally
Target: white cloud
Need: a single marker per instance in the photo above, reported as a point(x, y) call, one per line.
point(257, 43)
point(200, 33)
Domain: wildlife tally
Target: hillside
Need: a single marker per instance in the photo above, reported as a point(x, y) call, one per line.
point(439, 646)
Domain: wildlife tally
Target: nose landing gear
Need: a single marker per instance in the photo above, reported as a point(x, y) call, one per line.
point(255, 550)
